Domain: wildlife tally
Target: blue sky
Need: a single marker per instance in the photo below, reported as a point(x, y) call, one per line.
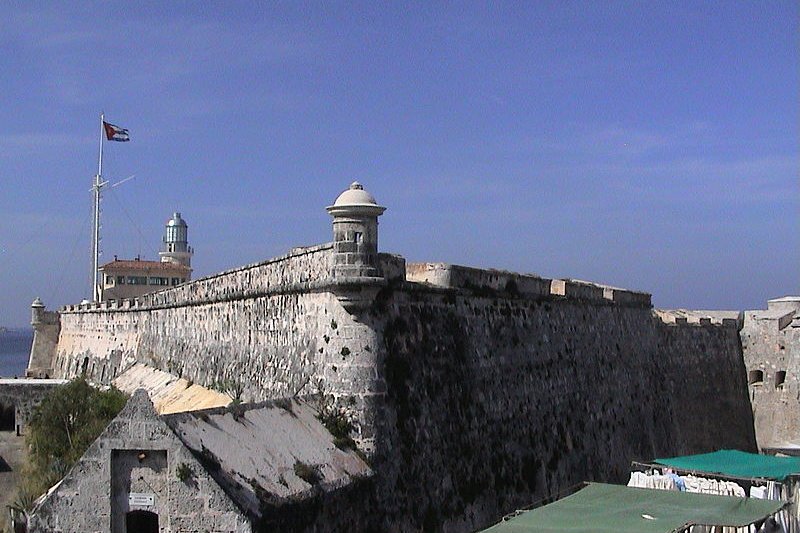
point(648, 145)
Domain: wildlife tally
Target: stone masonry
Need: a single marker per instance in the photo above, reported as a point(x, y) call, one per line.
point(771, 346)
point(137, 453)
point(771, 349)
point(473, 391)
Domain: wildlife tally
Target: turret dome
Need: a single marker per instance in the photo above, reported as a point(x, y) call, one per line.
point(355, 195)
point(355, 200)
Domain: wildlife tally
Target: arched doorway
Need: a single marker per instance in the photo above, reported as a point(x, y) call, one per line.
point(141, 522)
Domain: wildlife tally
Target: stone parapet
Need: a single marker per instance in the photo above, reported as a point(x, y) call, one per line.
point(449, 276)
point(301, 270)
point(460, 277)
point(576, 289)
point(393, 267)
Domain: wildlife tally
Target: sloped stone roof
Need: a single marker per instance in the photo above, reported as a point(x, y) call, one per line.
point(264, 453)
point(251, 453)
point(169, 393)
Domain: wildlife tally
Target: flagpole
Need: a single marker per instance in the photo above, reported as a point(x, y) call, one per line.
point(96, 226)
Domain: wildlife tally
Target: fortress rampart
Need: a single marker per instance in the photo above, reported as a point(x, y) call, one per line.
point(771, 346)
point(494, 401)
point(473, 397)
point(473, 391)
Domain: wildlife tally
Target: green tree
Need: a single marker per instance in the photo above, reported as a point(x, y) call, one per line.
point(62, 427)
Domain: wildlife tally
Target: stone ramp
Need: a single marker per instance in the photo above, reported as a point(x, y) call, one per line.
point(270, 452)
point(169, 393)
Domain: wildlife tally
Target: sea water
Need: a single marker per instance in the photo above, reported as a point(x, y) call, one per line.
point(15, 347)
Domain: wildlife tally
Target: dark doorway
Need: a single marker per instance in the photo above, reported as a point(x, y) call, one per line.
point(7, 417)
point(141, 522)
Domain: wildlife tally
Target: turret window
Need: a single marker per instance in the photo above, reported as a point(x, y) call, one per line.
point(358, 237)
point(756, 377)
point(780, 379)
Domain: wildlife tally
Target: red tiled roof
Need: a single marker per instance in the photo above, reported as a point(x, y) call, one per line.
point(127, 264)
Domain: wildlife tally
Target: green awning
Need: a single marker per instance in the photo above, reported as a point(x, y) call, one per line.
point(737, 464)
point(601, 508)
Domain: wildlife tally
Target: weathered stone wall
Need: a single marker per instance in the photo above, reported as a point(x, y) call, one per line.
point(24, 395)
point(475, 391)
point(496, 401)
point(271, 328)
point(137, 453)
point(46, 327)
point(771, 345)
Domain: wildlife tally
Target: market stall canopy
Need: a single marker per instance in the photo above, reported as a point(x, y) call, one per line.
point(602, 508)
point(737, 464)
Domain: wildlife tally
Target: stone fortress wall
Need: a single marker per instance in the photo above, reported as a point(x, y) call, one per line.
point(771, 346)
point(272, 328)
point(771, 349)
point(473, 391)
point(496, 400)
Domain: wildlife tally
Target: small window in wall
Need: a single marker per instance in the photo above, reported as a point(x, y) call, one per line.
point(756, 377)
point(780, 378)
point(358, 237)
point(120, 280)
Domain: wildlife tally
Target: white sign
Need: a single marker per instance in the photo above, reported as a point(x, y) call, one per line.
point(141, 499)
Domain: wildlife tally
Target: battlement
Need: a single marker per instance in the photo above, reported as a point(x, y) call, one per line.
point(449, 276)
point(684, 317)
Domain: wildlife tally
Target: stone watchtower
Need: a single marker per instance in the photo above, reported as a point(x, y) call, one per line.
point(46, 327)
point(175, 248)
point(355, 271)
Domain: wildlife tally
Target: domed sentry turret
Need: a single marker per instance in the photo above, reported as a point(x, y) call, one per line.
point(355, 233)
point(175, 248)
point(37, 312)
point(356, 271)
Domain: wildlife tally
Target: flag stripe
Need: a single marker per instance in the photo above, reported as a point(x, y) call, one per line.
point(115, 133)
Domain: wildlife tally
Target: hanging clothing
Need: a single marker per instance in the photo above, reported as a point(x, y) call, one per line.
point(652, 481)
point(713, 486)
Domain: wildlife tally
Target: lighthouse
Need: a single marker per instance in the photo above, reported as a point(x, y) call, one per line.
point(175, 248)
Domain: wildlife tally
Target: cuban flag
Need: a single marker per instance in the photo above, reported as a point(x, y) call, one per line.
point(115, 133)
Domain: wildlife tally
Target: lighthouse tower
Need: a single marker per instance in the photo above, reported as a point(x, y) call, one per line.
point(175, 248)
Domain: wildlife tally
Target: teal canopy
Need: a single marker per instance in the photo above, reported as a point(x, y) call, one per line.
point(601, 508)
point(737, 464)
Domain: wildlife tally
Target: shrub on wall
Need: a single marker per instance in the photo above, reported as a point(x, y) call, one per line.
point(62, 427)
